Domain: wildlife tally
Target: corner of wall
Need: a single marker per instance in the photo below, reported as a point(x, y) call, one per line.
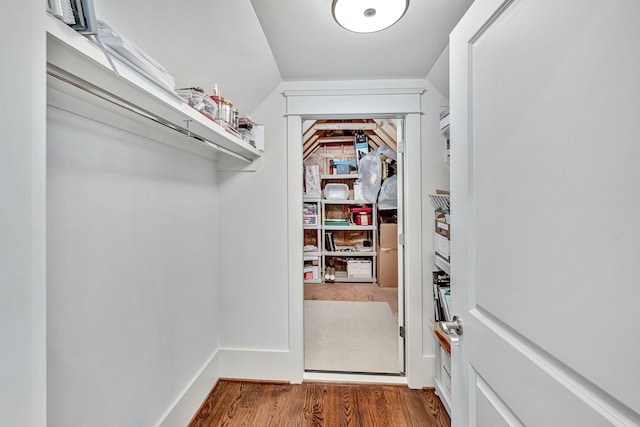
point(190, 400)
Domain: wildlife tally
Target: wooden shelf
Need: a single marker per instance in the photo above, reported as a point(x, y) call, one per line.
point(345, 202)
point(350, 253)
point(80, 69)
point(349, 227)
point(341, 176)
point(444, 339)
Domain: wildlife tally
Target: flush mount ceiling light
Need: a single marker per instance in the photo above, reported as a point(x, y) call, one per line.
point(368, 16)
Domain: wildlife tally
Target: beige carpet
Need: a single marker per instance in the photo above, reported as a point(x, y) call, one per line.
point(347, 336)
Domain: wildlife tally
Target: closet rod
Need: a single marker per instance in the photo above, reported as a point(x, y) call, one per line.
point(92, 89)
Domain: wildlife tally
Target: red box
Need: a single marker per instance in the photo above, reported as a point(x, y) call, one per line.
point(362, 216)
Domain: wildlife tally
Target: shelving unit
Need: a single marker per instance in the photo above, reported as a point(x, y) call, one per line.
point(349, 240)
point(442, 264)
point(312, 214)
point(442, 379)
point(82, 80)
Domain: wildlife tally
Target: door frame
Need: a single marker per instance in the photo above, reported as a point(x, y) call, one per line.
point(401, 342)
point(378, 102)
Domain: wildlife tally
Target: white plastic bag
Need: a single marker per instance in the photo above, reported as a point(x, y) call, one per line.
point(388, 197)
point(371, 172)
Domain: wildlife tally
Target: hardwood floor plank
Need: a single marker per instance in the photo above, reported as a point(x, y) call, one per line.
point(319, 404)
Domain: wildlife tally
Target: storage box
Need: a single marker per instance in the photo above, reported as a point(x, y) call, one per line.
point(387, 267)
point(443, 228)
point(445, 369)
point(359, 268)
point(389, 235)
point(361, 216)
point(443, 247)
point(311, 272)
point(363, 219)
point(343, 167)
point(310, 219)
point(258, 137)
point(336, 191)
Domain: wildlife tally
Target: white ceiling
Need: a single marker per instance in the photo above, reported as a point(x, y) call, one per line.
point(308, 44)
point(248, 47)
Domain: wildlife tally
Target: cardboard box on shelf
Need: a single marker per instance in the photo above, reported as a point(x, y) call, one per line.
point(443, 228)
point(387, 267)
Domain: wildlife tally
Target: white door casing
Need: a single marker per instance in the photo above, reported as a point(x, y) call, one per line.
point(352, 103)
point(545, 185)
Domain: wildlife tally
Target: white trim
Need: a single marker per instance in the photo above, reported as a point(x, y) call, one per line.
point(186, 405)
point(382, 115)
point(355, 378)
point(353, 92)
point(361, 103)
point(271, 365)
point(295, 235)
point(418, 374)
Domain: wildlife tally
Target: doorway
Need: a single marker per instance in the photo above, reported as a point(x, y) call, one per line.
point(353, 288)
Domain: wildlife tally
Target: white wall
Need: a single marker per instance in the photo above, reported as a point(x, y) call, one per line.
point(255, 295)
point(201, 43)
point(22, 216)
point(438, 75)
point(253, 243)
point(132, 273)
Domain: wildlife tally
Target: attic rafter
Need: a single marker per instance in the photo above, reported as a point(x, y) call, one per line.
point(375, 142)
point(345, 126)
point(310, 145)
point(310, 131)
point(386, 131)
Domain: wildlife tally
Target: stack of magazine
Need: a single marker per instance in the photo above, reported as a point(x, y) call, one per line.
point(442, 296)
point(78, 14)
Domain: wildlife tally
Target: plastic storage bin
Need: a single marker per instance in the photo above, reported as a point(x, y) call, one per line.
point(336, 191)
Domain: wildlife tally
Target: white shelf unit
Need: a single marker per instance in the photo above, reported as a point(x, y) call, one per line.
point(442, 378)
point(313, 236)
point(367, 232)
point(81, 79)
point(335, 176)
point(442, 264)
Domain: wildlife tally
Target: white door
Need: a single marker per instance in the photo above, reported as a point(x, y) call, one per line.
point(545, 166)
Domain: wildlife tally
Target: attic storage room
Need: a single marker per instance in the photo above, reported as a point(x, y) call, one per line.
point(350, 208)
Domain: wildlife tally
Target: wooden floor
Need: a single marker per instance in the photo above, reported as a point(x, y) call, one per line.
point(239, 403)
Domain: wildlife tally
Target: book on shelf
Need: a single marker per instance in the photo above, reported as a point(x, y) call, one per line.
point(331, 247)
point(441, 284)
point(445, 302)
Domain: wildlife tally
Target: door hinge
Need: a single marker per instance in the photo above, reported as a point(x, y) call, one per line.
point(401, 331)
point(401, 239)
point(401, 147)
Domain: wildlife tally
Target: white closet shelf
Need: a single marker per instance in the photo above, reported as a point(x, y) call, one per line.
point(78, 67)
point(442, 264)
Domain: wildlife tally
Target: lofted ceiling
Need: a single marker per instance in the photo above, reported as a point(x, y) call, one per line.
point(248, 47)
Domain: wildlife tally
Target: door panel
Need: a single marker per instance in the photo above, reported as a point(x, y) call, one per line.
point(545, 185)
point(490, 409)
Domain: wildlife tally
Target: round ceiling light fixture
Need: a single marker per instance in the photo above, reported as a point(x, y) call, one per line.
point(368, 16)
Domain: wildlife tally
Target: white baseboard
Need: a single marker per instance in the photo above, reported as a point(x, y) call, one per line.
point(270, 365)
point(194, 394)
point(256, 365)
point(428, 371)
